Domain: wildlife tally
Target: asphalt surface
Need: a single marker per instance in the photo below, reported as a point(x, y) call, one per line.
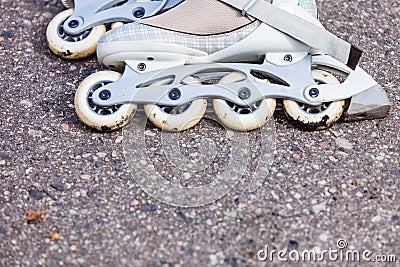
point(69, 196)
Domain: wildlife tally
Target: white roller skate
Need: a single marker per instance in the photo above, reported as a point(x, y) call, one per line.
point(242, 56)
point(74, 33)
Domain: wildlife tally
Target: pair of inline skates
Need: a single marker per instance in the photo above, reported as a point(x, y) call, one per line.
point(248, 56)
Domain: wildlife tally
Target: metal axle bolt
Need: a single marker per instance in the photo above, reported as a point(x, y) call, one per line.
point(288, 58)
point(141, 66)
point(138, 13)
point(244, 93)
point(73, 23)
point(314, 92)
point(175, 94)
point(105, 94)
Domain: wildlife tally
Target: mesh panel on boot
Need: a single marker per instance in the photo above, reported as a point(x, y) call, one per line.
point(219, 26)
point(199, 17)
point(135, 32)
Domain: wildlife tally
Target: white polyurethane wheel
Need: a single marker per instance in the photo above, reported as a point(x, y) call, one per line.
point(68, 3)
point(101, 118)
point(319, 117)
point(72, 46)
point(116, 24)
point(175, 119)
point(243, 118)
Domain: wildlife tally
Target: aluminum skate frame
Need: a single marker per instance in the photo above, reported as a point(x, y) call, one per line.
point(296, 83)
point(90, 13)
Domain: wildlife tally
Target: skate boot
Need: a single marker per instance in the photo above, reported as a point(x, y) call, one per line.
point(243, 55)
point(74, 33)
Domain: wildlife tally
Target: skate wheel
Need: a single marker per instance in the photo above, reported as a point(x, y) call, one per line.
point(177, 118)
point(243, 118)
point(315, 117)
point(101, 118)
point(116, 25)
point(68, 3)
point(72, 46)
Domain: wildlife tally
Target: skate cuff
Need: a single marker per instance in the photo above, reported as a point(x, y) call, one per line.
point(299, 29)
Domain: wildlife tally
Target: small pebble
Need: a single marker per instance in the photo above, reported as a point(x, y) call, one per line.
point(3, 231)
point(335, 133)
point(213, 259)
point(316, 167)
point(47, 15)
point(343, 143)
point(101, 154)
point(187, 175)
point(295, 148)
point(119, 139)
point(4, 156)
point(6, 34)
point(85, 177)
point(319, 207)
point(86, 155)
point(148, 207)
point(65, 127)
point(28, 171)
point(134, 203)
point(323, 144)
point(26, 103)
point(57, 187)
point(376, 219)
point(232, 214)
point(50, 195)
point(33, 193)
point(323, 237)
point(149, 133)
point(72, 212)
point(332, 158)
point(83, 193)
point(27, 23)
point(332, 190)
point(351, 207)
point(184, 216)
